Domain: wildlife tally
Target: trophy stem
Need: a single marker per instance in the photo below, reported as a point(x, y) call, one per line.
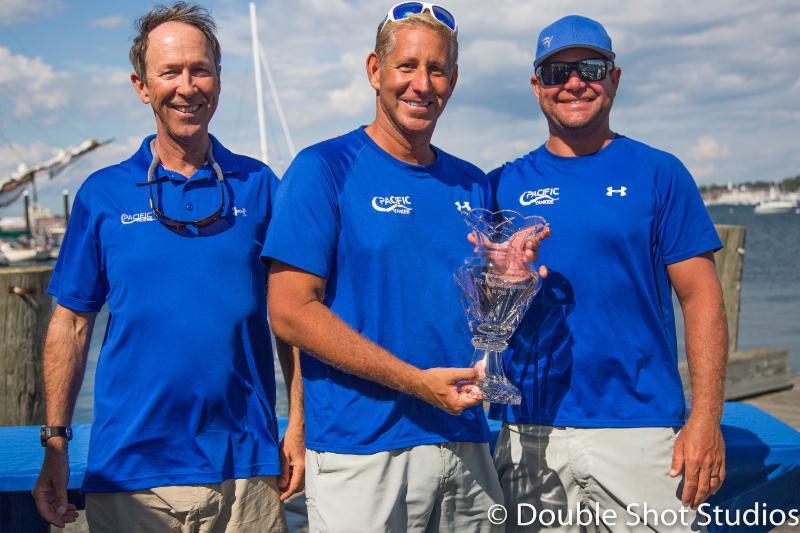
point(488, 360)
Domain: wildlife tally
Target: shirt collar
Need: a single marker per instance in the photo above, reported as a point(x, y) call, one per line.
point(140, 161)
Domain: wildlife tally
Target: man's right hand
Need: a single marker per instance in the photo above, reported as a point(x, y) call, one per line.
point(440, 388)
point(50, 490)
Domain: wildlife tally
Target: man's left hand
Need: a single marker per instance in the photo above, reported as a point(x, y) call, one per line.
point(292, 451)
point(700, 455)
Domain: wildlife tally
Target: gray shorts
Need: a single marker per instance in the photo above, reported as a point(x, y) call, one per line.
point(438, 487)
point(575, 475)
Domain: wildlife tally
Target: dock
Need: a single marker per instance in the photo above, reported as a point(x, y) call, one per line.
point(783, 405)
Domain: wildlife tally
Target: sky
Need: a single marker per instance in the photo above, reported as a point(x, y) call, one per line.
point(716, 82)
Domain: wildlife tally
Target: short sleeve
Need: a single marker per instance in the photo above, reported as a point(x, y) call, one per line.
point(304, 228)
point(79, 281)
point(685, 229)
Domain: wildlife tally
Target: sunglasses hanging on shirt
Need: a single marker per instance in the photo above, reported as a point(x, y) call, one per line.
point(174, 223)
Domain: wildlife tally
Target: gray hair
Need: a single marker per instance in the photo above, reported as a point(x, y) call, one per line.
point(384, 40)
point(192, 14)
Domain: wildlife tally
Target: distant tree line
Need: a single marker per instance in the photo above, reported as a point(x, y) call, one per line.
point(787, 185)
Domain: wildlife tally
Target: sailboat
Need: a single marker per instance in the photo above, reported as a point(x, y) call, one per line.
point(36, 235)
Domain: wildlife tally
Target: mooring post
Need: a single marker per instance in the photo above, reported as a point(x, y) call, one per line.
point(65, 196)
point(24, 311)
point(750, 372)
point(730, 261)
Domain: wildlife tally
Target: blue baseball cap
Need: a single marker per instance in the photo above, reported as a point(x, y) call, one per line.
point(572, 31)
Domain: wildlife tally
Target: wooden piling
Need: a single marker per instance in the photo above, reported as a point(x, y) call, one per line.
point(24, 311)
point(750, 372)
point(730, 262)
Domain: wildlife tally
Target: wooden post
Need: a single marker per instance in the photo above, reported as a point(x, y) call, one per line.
point(750, 372)
point(24, 311)
point(730, 261)
point(27, 204)
point(65, 197)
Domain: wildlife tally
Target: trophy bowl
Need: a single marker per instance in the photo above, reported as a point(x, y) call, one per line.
point(497, 285)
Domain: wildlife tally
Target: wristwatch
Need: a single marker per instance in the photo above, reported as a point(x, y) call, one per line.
point(45, 432)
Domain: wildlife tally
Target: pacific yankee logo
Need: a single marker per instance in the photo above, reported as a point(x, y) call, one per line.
point(547, 40)
point(399, 205)
point(545, 196)
point(463, 207)
point(144, 216)
point(611, 191)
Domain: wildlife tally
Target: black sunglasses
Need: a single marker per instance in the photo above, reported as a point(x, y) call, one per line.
point(175, 223)
point(558, 72)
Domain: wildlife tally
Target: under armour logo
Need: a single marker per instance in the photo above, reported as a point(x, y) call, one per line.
point(463, 206)
point(240, 212)
point(610, 191)
point(547, 40)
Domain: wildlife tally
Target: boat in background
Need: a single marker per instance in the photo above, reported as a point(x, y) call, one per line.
point(775, 207)
point(775, 204)
point(37, 235)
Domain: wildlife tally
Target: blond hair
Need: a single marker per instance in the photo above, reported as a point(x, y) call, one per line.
point(385, 39)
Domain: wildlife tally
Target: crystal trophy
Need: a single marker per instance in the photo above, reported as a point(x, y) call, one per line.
point(497, 285)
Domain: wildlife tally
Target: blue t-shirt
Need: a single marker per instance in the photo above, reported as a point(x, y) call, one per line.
point(387, 236)
point(597, 348)
point(184, 388)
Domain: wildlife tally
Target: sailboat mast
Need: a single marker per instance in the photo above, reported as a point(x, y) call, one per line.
point(262, 131)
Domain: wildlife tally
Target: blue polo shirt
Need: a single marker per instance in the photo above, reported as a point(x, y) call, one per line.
point(387, 236)
point(184, 388)
point(597, 347)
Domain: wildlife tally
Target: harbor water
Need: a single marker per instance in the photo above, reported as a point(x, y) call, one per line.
point(770, 303)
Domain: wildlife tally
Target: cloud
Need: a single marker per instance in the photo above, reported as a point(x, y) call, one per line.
point(14, 11)
point(13, 154)
point(712, 82)
point(703, 172)
point(690, 71)
point(113, 21)
point(708, 148)
point(31, 85)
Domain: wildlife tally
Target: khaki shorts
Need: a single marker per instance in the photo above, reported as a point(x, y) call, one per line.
point(439, 487)
point(236, 505)
point(569, 477)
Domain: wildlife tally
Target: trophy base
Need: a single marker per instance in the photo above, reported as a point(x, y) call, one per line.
point(500, 390)
point(492, 384)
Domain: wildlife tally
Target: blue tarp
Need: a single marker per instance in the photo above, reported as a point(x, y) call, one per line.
point(763, 464)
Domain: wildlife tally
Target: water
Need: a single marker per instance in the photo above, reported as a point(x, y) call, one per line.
point(769, 314)
point(770, 304)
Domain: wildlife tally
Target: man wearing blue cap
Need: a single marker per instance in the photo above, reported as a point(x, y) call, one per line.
point(184, 436)
point(602, 422)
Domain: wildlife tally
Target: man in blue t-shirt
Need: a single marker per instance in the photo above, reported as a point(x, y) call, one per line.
point(364, 242)
point(184, 436)
point(602, 421)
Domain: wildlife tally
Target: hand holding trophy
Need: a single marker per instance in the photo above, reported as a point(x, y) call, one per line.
point(497, 284)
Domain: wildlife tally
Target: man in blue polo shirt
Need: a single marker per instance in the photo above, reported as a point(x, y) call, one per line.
point(365, 239)
point(601, 425)
point(184, 436)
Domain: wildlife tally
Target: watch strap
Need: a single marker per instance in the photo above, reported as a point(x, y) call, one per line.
point(47, 432)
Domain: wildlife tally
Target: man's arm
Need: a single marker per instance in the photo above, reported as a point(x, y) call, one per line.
point(292, 447)
point(65, 349)
point(699, 449)
point(298, 316)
